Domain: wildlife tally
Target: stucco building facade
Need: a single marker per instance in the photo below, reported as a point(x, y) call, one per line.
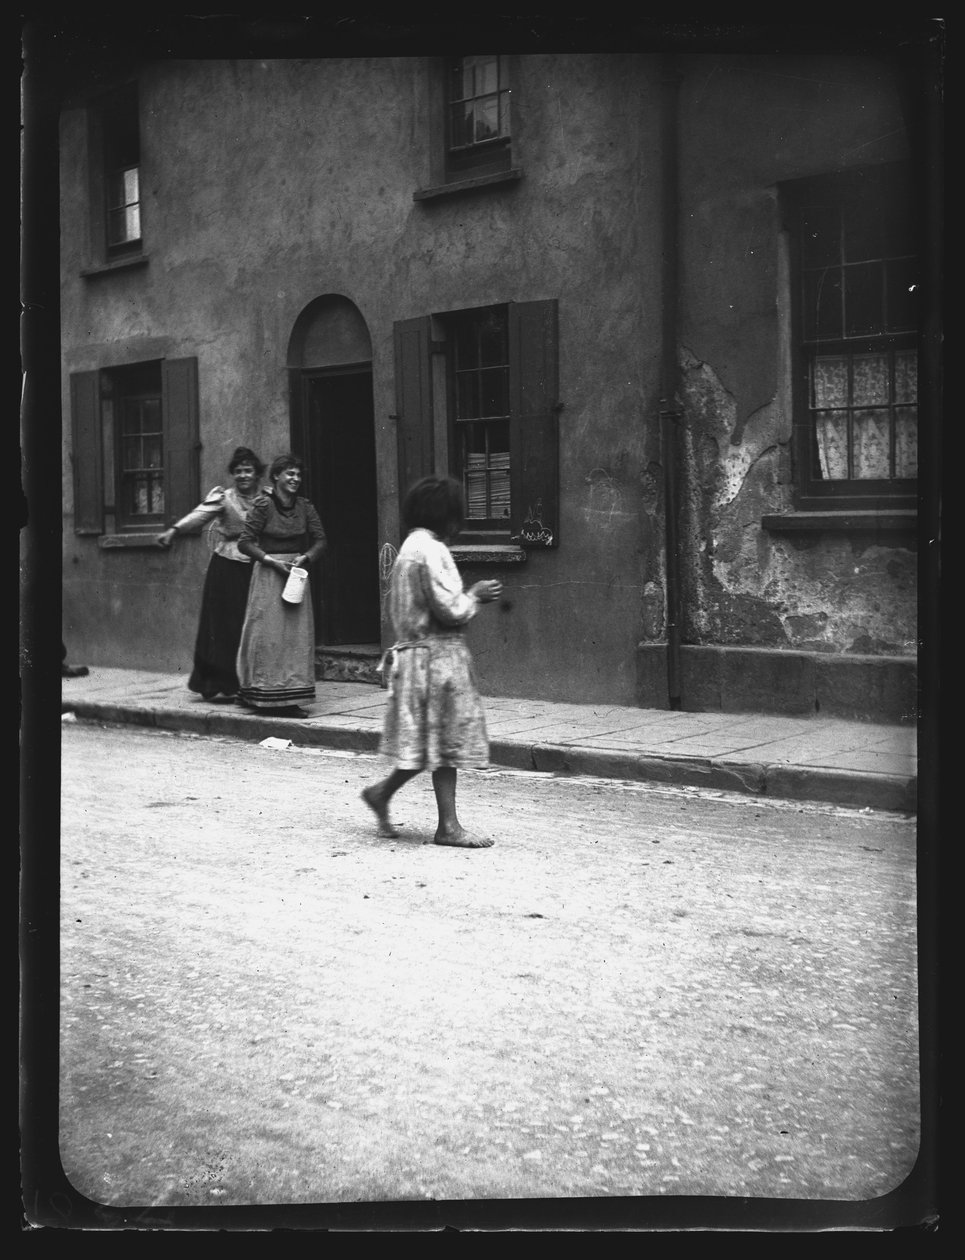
point(658, 313)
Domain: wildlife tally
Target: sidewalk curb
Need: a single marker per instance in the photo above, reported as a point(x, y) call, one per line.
point(852, 789)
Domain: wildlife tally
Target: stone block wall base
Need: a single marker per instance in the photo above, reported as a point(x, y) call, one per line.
point(348, 664)
point(799, 684)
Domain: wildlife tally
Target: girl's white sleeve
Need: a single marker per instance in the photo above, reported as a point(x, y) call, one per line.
point(447, 599)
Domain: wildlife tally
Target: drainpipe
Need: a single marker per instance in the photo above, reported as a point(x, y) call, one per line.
point(671, 409)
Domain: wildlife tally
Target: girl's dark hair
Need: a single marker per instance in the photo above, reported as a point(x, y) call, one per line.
point(436, 503)
point(281, 462)
point(245, 455)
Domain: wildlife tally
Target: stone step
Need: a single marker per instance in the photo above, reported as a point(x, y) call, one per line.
point(349, 662)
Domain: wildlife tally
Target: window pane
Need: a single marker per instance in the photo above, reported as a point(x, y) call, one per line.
point(129, 180)
point(130, 418)
point(131, 453)
point(821, 236)
point(863, 299)
point(486, 470)
point(906, 376)
point(499, 490)
point(487, 119)
point(124, 225)
point(901, 277)
point(829, 381)
point(832, 436)
point(460, 80)
point(493, 340)
point(467, 396)
point(822, 304)
point(487, 75)
point(872, 454)
point(906, 441)
point(494, 392)
point(871, 384)
point(864, 232)
point(462, 123)
point(152, 452)
point(467, 344)
point(156, 494)
point(138, 503)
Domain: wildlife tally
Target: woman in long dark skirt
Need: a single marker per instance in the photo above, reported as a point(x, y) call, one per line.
point(276, 655)
point(224, 597)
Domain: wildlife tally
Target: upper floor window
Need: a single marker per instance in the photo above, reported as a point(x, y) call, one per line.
point(123, 207)
point(115, 175)
point(478, 104)
point(855, 338)
point(471, 140)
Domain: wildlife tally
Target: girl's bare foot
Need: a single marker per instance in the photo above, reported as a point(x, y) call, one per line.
point(458, 838)
point(380, 809)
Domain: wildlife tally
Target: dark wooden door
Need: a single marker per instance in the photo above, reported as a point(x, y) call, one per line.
point(340, 481)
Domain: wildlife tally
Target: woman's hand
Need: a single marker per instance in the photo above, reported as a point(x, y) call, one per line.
point(167, 538)
point(486, 592)
point(302, 562)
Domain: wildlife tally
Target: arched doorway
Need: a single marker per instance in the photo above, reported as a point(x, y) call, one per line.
point(333, 429)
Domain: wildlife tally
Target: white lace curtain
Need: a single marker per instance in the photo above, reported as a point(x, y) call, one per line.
point(869, 405)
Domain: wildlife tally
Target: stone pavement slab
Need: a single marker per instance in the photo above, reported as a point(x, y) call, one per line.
point(856, 764)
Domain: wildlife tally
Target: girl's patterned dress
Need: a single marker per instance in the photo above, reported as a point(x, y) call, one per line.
point(434, 714)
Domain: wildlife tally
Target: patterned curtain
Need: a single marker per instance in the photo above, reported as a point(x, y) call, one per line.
point(861, 385)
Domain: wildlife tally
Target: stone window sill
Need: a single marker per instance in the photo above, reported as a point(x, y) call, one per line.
point(111, 542)
point(897, 521)
point(511, 176)
point(488, 553)
point(117, 264)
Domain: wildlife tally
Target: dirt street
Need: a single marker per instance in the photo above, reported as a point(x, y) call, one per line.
point(636, 992)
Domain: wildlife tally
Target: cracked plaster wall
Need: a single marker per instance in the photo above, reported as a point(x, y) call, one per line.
point(750, 123)
point(745, 585)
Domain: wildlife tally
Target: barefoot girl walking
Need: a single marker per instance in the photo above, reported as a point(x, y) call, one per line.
point(434, 717)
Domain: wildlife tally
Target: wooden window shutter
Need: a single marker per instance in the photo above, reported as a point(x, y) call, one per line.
point(88, 458)
point(534, 386)
point(413, 400)
point(179, 400)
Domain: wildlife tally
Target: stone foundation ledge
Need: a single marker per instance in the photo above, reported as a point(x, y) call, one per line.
point(348, 665)
point(768, 680)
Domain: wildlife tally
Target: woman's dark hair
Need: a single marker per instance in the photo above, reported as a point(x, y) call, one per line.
point(281, 462)
point(245, 455)
point(436, 503)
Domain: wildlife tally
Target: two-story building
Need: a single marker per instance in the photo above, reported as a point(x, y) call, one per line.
point(660, 313)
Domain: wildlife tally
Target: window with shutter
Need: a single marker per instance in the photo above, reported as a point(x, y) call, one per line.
point(135, 439)
point(87, 453)
point(413, 400)
point(497, 418)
